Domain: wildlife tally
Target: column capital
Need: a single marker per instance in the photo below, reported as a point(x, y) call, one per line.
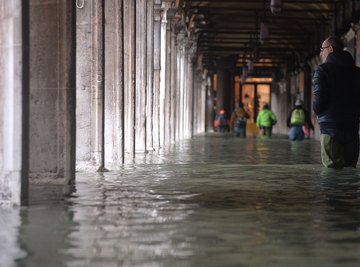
point(191, 45)
point(157, 12)
point(177, 25)
point(180, 38)
point(167, 4)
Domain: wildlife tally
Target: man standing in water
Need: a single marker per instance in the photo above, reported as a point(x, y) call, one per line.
point(337, 105)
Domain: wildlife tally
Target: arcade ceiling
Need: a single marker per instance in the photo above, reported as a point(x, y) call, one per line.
point(245, 32)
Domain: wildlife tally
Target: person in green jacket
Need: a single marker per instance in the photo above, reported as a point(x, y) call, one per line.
point(265, 120)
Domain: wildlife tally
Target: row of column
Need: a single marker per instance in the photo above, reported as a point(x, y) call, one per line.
point(143, 92)
point(88, 84)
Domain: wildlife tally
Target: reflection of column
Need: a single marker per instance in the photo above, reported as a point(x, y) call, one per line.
point(14, 113)
point(10, 246)
point(102, 224)
point(45, 233)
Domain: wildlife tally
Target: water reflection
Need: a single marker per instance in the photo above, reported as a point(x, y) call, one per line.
point(341, 191)
point(10, 250)
point(208, 201)
point(125, 222)
point(44, 234)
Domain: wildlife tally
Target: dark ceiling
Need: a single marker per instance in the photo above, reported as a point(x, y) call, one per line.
point(230, 30)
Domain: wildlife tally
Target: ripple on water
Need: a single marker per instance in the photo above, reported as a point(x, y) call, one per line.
point(208, 201)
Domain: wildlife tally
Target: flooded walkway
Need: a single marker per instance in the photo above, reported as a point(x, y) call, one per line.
point(210, 201)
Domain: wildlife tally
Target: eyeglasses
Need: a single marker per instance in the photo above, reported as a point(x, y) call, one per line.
point(324, 47)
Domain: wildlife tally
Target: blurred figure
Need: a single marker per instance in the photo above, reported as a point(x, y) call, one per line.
point(265, 120)
point(238, 120)
point(297, 119)
point(221, 122)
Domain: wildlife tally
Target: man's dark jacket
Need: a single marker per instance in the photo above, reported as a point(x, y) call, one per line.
point(337, 93)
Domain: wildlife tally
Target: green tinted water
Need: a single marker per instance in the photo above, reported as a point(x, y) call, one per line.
point(211, 201)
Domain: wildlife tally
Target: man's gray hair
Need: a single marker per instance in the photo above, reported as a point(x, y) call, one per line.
point(336, 43)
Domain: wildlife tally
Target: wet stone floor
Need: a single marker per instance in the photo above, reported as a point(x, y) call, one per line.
point(214, 200)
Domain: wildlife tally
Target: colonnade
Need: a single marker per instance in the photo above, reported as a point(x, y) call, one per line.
point(87, 84)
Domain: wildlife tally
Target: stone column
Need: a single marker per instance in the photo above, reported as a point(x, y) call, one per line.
point(203, 101)
point(52, 91)
point(223, 94)
point(114, 84)
point(191, 48)
point(156, 74)
point(185, 107)
point(14, 98)
point(200, 100)
point(196, 104)
point(129, 75)
point(140, 75)
point(173, 99)
point(180, 90)
point(90, 85)
point(168, 89)
point(210, 102)
point(163, 72)
point(150, 76)
point(189, 90)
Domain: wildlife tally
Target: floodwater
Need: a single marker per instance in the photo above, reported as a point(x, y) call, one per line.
point(214, 200)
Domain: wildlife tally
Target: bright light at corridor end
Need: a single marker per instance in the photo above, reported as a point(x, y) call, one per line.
point(253, 79)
